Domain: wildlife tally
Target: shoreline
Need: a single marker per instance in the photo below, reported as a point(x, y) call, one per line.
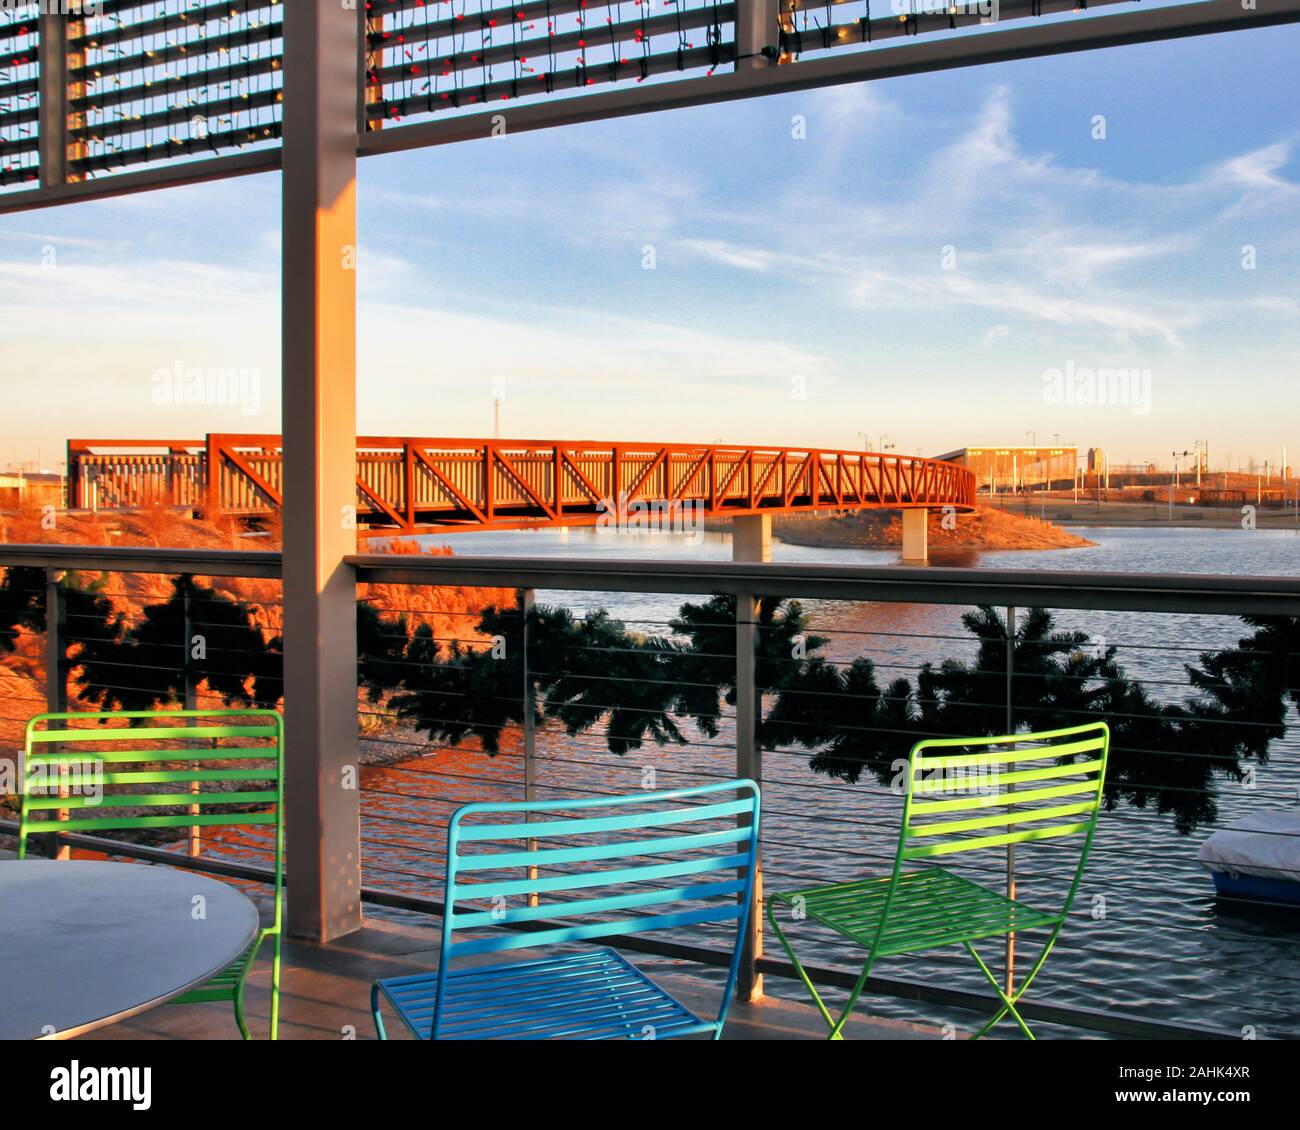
point(1139, 515)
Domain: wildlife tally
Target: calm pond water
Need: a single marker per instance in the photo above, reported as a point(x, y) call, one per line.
point(1147, 936)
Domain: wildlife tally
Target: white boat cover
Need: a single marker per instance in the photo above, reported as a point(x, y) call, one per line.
point(1265, 844)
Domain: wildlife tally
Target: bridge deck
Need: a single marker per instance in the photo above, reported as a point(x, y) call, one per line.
point(408, 484)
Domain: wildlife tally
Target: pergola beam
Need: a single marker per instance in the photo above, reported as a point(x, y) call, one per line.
point(914, 56)
point(753, 77)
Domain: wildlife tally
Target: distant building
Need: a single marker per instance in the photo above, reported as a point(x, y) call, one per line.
point(1000, 470)
point(26, 490)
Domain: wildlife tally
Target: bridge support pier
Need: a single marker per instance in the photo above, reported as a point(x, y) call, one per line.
point(916, 548)
point(751, 540)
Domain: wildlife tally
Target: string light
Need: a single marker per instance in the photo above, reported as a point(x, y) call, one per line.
point(553, 45)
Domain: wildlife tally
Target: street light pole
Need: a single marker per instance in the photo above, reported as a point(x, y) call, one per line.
point(1173, 482)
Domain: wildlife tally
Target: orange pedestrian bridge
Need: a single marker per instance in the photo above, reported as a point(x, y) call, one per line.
point(408, 485)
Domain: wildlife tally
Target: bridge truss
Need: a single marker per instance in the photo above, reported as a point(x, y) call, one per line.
point(414, 484)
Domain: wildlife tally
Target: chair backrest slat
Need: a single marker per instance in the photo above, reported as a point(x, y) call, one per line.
point(159, 733)
point(120, 823)
point(1023, 796)
point(592, 824)
point(115, 756)
point(1000, 757)
point(128, 756)
point(160, 800)
point(1018, 776)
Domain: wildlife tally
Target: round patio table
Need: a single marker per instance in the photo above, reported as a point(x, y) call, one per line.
point(86, 944)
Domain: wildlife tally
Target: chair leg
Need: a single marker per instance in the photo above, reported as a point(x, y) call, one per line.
point(275, 989)
point(374, 1011)
point(243, 977)
point(835, 1024)
point(1008, 1002)
point(239, 1015)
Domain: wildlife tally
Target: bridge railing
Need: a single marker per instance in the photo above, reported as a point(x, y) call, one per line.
point(406, 483)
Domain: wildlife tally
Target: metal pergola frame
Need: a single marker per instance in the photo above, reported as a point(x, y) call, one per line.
point(323, 135)
point(753, 77)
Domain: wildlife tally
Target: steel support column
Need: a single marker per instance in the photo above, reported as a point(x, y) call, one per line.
point(56, 688)
point(319, 411)
point(751, 540)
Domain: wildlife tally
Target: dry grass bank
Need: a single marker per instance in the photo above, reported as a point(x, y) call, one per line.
point(883, 529)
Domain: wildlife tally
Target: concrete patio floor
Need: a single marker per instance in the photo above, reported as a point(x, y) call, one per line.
point(325, 995)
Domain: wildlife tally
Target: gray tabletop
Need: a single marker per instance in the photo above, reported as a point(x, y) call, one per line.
point(84, 944)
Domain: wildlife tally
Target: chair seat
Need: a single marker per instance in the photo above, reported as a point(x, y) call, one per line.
point(588, 995)
point(932, 907)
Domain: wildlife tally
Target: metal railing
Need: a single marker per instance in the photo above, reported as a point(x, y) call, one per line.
point(407, 800)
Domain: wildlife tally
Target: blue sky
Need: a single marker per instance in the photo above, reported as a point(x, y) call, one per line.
point(800, 291)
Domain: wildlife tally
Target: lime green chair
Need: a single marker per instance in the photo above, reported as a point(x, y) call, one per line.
point(996, 792)
point(62, 756)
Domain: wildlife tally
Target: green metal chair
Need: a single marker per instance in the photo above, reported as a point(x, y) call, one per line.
point(60, 757)
point(1027, 787)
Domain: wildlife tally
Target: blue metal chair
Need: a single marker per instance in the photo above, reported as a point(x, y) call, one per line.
point(664, 873)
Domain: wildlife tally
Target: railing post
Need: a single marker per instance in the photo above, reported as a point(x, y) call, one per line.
point(751, 540)
point(212, 471)
point(319, 349)
point(527, 598)
point(1011, 848)
point(56, 686)
point(191, 692)
point(408, 483)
